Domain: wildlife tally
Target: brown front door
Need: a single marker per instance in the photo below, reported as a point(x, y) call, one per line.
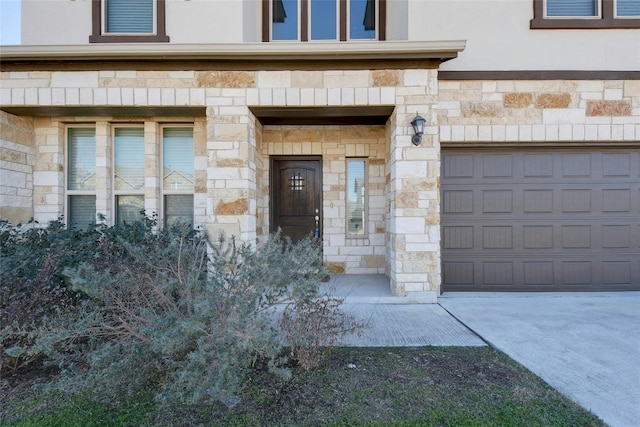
point(296, 196)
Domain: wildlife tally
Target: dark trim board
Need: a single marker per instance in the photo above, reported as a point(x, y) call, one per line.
point(102, 111)
point(539, 75)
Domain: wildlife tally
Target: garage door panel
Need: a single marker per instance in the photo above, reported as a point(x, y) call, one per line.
point(576, 165)
point(537, 237)
point(541, 220)
point(616, 164)
point(616, 272)
point(497, 166)
point(497, 273)
point(537, 165)
point(538, 273)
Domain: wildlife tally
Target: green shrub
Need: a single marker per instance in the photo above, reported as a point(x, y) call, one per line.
point(32, 286)
point(173, 312)
point(166, 310)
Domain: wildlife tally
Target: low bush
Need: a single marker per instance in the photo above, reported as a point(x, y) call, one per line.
point(32, 286)
point(174, 312)
point(313, 327)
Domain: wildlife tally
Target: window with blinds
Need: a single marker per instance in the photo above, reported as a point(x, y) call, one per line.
point(128, 159)
point(628, 8)
point(572, 8)
point(81, 177)
point(356, 198)
point(178, 180)
point(129, 16)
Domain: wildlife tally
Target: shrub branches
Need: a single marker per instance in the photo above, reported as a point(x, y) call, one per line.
point(173, 312)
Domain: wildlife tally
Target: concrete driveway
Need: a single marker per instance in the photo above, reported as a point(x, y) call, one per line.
point(586, 345)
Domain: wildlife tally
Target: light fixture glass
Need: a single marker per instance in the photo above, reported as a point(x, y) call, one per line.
point(418, 129)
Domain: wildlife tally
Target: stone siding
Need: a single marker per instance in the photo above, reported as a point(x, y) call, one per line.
point(336, 144)
point(232, 150)
point(17, 159)
point(515, 111)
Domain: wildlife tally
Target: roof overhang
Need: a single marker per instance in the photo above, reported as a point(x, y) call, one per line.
point(238, 54)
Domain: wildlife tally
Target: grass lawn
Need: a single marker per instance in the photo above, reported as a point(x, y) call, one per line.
point(428, 386)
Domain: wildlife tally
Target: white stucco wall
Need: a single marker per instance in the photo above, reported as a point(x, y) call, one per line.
point(50, 22)
point(499, 38)
point(205, 21)
point(497, 31)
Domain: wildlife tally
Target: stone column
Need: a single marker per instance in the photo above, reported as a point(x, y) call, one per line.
point(414, 235)
point(104, 161)
point(48, 172)
point(153, 169)
point(231, 172)
point(16, 174)
point(200, 164)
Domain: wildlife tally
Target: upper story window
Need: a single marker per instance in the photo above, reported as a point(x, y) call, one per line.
point(585, 14)
point(128, 21)
point(128, 16)
point(323, 20)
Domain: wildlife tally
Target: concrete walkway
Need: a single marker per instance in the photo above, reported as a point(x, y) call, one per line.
point(586, 345)
point(393, 321)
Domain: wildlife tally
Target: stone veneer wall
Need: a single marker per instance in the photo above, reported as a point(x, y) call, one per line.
point(229, 162)
point(17, 159)
point(518, 111)
point(336, 144)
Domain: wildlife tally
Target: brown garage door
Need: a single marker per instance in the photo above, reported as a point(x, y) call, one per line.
point(541, 220)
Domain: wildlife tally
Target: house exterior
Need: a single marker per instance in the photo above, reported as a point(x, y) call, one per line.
point(248, 116)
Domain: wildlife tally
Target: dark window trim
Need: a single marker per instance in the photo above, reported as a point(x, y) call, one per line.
point(304, 20)
point(343, 20)
point(607, 20)
point(98, 37)
point(539, 75)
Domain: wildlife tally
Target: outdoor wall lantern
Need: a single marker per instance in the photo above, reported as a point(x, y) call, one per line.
point(418, 129)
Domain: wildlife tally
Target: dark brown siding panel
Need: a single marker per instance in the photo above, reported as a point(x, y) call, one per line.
point(541, 219)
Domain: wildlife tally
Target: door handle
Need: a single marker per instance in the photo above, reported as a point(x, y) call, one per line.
point(316, 232)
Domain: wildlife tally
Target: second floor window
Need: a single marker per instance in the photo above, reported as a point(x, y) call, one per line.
point(586, 14)
point(323, 20)
point(129, 16)
point(128, 21)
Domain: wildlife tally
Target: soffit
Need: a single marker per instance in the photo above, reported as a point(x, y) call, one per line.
point(371, 115)
point(357, 115)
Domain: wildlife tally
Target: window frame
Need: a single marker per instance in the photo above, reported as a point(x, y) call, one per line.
point(164, 193)
point(99, 34)
point(304, 24)
point(115, 192)
point(365, 199)
point(606, 19)
point(69, 193)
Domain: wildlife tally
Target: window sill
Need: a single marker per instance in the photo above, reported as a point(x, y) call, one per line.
point(357, 241)
point(582, 24)
point(128, 39)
